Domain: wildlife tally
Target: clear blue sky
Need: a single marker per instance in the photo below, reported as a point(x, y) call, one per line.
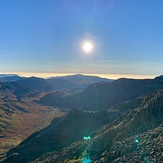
point(46, 36)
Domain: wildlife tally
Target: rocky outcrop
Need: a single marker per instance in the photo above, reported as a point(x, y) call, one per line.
point(135, 137)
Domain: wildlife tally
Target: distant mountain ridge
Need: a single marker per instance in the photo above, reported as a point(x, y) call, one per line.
point(63, 83)
point(83, 78)
point(96, 96)
point(73, 82)
point(36, 83)
point(104, 95)
point(9, 77)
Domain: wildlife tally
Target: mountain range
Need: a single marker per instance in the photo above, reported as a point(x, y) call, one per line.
point(103, 95)
point(20, 115)
point(9, 77)
point(71, 82)
point(113, 121)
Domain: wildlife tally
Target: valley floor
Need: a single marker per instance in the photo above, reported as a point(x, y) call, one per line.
point(18, 125)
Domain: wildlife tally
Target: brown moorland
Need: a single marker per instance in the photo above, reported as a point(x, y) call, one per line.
point(20, 117)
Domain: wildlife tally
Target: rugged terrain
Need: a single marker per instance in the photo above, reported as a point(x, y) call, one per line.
point(121, 121)
point(62, 132)
point(136, 136)
point(104, 95)
point(20, 114)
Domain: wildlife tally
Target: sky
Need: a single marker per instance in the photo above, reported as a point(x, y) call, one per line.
point(45, 37)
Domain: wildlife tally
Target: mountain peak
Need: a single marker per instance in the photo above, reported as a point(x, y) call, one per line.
point(9, 77)
point(161, 76)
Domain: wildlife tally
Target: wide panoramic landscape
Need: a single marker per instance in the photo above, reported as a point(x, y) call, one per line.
point(81, 81)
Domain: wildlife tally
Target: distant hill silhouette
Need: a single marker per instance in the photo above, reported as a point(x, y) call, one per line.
point(79, 78)
point(74, 82)
point(104, 95)
point(36, 83)
point(65, 83)
point(9, 78)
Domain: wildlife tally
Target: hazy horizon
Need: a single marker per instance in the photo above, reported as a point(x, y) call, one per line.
point(109, 76)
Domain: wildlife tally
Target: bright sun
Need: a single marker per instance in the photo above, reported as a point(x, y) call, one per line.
point(87, 46)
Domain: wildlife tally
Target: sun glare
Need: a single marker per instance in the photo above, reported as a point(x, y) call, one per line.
point(87, 46)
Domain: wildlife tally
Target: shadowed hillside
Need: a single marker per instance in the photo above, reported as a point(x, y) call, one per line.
point(104, 95)
point(136, 136)
point(64, 83)
point(61, 132)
